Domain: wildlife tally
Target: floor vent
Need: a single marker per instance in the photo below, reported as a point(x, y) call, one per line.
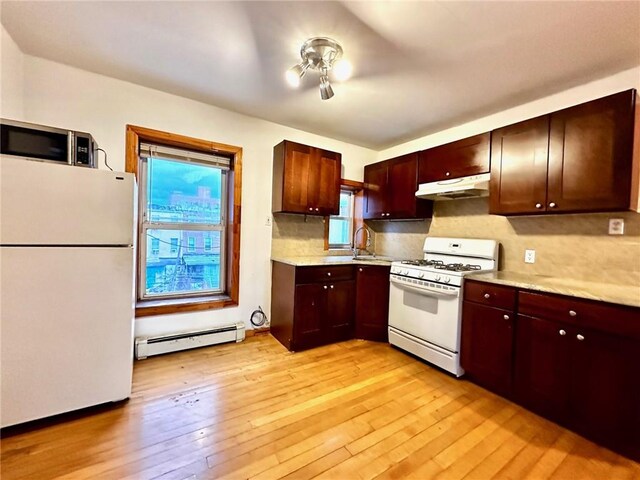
point(149, 346)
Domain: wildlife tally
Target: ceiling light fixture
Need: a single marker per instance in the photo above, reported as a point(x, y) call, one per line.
point(323, 55)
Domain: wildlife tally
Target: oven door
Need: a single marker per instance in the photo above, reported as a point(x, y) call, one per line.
point(429, 315)
point(35, 142)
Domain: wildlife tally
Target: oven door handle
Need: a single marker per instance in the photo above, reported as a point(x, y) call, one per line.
point(426, 290)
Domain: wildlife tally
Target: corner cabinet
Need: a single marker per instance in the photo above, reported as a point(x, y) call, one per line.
point(306, 179)
point(574, 160)
point(390, 188)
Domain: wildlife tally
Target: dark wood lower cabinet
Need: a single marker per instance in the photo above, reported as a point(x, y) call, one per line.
point(372, 303)
point(313, 306)
point(574, 361)
point(487, 346)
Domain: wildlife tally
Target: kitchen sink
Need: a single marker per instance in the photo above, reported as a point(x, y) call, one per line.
point(371, 258)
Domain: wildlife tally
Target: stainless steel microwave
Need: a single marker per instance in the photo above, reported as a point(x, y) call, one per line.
point(47, 144)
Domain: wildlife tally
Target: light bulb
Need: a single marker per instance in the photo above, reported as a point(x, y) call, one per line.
point(342, 70)
point(295, 73)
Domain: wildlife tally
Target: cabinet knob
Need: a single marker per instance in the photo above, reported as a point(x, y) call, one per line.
point(311, 209)
point(328, 274)
point(552, 205)
point(331, 286)
point(506, 317)
point(447, 174)
point(360, 269)
point(580, 337)
point(317, 209)
point(486, 295)
point(325, 287)
point(562, 332)
point(538, 205)
point(572, 313)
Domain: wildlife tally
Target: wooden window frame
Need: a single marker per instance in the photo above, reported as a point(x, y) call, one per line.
point(136, 134)
point(358, 196)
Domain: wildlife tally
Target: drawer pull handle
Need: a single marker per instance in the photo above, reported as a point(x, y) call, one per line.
point(572, 313)
point(328, 274)
point(562, 332)
point(580, 337)
point(486, 295)
point(506, 317)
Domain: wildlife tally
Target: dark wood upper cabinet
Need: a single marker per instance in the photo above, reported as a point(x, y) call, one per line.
point(574, 160)
point(469, 156)
point(305, 179)
point(519, 154)
point(590, 152)
point(372, 302)
point(390, 188)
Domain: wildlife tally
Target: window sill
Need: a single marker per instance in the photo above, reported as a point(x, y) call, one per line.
point(145, 308)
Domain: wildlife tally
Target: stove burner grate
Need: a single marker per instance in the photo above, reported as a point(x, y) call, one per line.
point(458, 267)
point(424, 263)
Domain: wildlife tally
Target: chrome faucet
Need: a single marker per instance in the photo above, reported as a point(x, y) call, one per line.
point(354, 248)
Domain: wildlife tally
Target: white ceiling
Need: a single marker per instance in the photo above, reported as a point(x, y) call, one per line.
point(418, 66)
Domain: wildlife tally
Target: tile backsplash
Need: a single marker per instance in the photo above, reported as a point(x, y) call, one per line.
point(570, 246)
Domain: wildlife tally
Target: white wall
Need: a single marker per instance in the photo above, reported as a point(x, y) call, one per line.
point(59, 95)
point(583, 93)
point(11, 77)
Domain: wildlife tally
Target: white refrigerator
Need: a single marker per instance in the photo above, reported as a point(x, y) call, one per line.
point(66, 288)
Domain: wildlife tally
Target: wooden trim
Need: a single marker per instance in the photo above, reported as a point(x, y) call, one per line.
point(635, 169)
point(351, 185)
point(256, 331)
point(326, 232)
point(134, 135)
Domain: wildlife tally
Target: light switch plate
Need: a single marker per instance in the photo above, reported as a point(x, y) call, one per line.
point(268, 221)
point(529, 256)
point(616, 226)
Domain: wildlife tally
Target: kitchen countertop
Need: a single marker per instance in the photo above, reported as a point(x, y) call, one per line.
point(605, 292)
point(318, 260)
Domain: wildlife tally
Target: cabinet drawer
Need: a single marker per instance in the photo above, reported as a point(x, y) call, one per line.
point(616, 319)
point(490, 294)
point(324, 274)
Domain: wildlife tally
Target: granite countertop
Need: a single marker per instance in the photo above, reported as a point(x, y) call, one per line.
point(318, 260)
point(605, 292)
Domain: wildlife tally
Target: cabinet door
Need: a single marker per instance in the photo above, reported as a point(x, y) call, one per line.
point(518, 182)
point(487, 346)
point(606, 387)
point(372, 303)
point(297, 165)
point(324, 182)
point(403, 183)
point(309, 313)
point(339, 310)
point(543, 366)
point(376, 191)
point(590, 155)
point(469, 156)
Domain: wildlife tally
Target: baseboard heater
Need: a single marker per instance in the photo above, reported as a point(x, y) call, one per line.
point(149, 346)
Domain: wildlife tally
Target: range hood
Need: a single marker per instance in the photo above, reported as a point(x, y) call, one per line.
point(456, 188)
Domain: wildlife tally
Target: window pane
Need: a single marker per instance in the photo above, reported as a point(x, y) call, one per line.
point(187, 269)
point(345, 204)
point(338, 231)
point(183, 192)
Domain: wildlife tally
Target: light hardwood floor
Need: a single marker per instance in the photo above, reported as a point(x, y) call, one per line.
point(351, 410)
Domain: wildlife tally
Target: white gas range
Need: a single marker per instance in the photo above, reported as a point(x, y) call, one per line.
point(425, 297)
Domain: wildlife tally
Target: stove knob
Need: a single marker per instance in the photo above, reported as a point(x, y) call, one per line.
point(421, 275)
point(438, 278)
point(447, 280)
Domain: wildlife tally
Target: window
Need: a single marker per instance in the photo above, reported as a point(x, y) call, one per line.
point(189, 232)
point(341, 226)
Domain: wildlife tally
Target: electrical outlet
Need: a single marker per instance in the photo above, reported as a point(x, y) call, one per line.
point(616, 226)
point(529, 256)
point(268, 221)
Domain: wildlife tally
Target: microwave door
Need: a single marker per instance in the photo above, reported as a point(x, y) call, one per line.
point(42, 143)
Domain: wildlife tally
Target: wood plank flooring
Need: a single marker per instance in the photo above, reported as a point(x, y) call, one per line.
point(354, 410)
